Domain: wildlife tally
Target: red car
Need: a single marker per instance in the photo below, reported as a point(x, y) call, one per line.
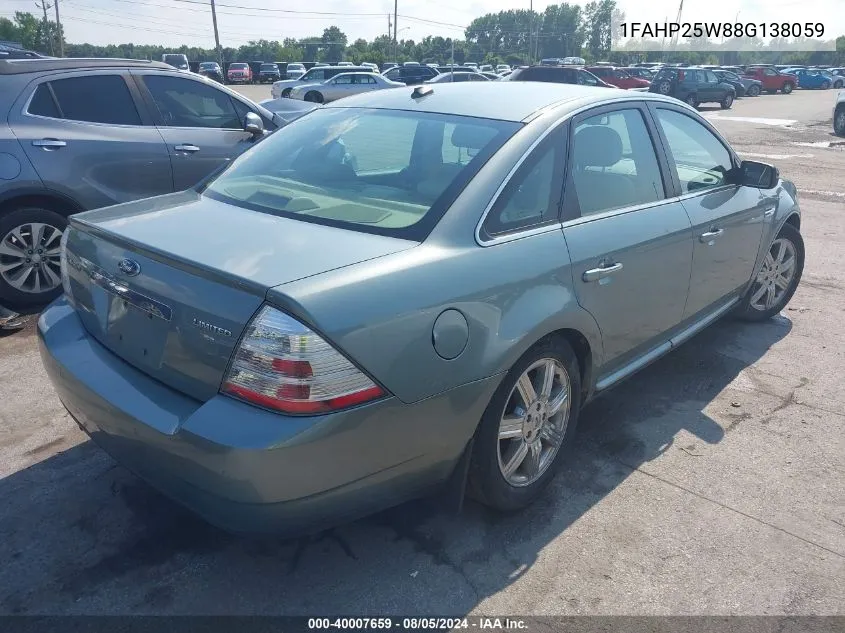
point(618, 77)
point(239, 73)
point(772, 79)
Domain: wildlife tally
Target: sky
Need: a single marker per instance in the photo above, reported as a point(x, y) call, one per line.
point(176, 22)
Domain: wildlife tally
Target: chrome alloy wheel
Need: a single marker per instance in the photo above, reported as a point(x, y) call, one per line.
point(30, 257)
point(775, 275)
point(533, 423)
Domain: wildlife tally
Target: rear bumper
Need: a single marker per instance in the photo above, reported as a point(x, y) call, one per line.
point(246, 469)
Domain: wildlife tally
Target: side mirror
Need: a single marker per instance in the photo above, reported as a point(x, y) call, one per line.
point(253, 124)
point(758, 175)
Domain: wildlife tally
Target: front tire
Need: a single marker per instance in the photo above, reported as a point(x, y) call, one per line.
point(664, 87)
point(727, 102)
point(777, 279)
point(826, 85)
point(787, 88)
point(313, 96)
point(754, 91)
point(286, 93)
point(526, 428)
point(692, 100)
point(29, 256)
point(839, 121)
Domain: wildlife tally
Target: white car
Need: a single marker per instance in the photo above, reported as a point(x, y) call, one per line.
point(839, 114)
point(294, 70)
point(500, 68)
point(343, 85)
point(316, 74)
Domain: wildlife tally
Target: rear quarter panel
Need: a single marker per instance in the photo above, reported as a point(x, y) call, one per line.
point(382, 313)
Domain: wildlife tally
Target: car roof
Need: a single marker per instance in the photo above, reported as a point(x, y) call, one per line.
point(500, 100)
point(23, 66)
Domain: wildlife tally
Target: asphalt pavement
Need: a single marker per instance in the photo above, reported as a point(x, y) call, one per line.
point(711, 483)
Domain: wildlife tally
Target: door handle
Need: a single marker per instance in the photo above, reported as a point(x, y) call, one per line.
point(594, 274)
point(710, 235)
point(187, 147)
point(49, 143)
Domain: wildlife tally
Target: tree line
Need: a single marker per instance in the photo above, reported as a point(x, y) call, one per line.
point(511, 37)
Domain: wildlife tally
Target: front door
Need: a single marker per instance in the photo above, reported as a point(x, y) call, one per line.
point(630, 243)
point(200, 123)
point(727, 219)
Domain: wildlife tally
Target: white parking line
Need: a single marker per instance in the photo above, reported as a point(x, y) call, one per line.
point(833, 194)
point(752, 119)
point(776, 156)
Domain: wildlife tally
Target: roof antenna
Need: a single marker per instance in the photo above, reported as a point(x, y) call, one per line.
point(421, 91)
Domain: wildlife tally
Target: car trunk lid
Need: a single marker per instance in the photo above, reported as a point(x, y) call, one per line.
point(168, 284)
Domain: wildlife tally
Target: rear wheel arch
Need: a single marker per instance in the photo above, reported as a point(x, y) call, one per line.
point(56, 203)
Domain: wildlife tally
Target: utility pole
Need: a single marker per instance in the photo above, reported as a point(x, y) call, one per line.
point(216, 38)
point(395, 40)
point(49, 39)
point(530, 30)
point(59, 33)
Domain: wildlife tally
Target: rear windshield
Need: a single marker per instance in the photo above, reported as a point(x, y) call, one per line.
point(269, 67)
point(380, 171)
point(237, 66)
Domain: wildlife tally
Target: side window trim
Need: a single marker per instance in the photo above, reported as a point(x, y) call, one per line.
point(557, 133)
point(676, 184)
point(571, 210)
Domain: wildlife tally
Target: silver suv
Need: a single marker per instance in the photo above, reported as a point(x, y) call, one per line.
point(78, 134)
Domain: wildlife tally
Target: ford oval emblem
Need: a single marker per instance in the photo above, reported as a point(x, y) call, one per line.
point(129, 267)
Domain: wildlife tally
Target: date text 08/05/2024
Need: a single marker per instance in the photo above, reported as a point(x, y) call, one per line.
point(722, 29)
point(418, 623)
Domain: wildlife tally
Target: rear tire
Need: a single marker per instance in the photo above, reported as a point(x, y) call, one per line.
point(826, 85)
point(787, 88)
point(493, 455)
point(727, 102)
point(692, 100)
point(752, 307)
point(20, 291)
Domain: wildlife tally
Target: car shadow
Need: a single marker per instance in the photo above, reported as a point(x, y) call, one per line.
point(82, 535)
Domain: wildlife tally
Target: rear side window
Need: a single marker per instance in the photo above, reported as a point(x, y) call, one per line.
point(42, 103)
point(113, 103)
point(530, 198)
point(614, 164)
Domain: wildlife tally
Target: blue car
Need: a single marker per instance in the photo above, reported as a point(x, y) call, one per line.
point(809, 78)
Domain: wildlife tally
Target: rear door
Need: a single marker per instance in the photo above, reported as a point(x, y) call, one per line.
point(201, 124)
point(629, 238)
point(727, 219)
point(90, 137)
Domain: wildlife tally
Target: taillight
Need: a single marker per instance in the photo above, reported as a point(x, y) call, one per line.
point(282, 364)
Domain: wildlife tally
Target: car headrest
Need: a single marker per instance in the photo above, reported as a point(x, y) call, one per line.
point(597, 146)
point(472, 136)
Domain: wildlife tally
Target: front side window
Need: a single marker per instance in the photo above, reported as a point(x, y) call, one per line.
point(614, 164)
point(314, 75)
point(388, 172)
point(113, 103)
point(701, 160)
point(187, 103)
